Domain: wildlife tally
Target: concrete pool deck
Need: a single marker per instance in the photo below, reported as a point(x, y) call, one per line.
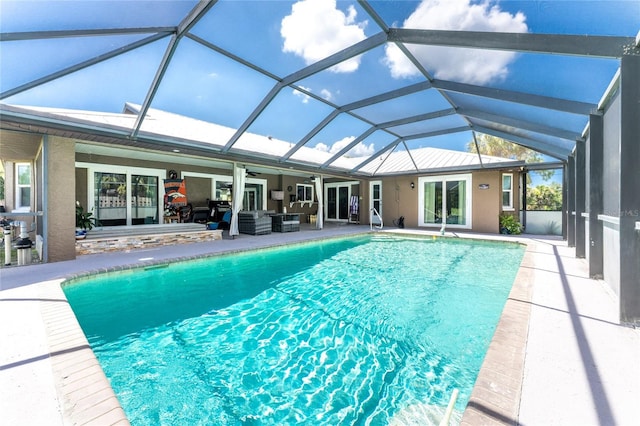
point(559, 355)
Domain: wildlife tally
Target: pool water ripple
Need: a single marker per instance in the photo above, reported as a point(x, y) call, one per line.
point(349, 340)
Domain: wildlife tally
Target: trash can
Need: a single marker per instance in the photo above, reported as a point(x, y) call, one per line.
point(23, 249)
point(7, 244)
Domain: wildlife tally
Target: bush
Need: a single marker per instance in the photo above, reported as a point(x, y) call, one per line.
point(544, 197)
point(510, 225)
point(84, 220)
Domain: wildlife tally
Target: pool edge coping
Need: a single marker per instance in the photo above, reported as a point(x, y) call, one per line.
point(496, 394)
point(84, 393)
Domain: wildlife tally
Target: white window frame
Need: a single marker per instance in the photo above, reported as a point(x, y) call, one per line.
point(228, 179)
point(444, 179)
point(508, 207)
point(19, 207)
point(308, 192)
point(92, 168)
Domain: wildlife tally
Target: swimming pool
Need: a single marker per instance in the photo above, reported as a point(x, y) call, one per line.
point(346, 331)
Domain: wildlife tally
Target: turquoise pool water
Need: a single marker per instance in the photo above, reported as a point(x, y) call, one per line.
point(366, 330)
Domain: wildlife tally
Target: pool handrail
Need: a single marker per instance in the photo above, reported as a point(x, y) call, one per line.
point(452, 402)
point(374, 211)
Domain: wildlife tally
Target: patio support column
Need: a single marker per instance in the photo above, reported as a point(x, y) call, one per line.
point(579, 199)
point(565, 183)
point(61, 198)
point(629, 190)
point(523, 207)
point(595, 146)
point(571, 201)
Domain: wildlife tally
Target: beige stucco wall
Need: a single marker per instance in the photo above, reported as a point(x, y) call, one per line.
point(399, 199)
point(61, 218)
point(81, 187)
point(486, 203)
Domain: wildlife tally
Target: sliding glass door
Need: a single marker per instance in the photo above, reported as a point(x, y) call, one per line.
point(445, 199)
point(110, 198)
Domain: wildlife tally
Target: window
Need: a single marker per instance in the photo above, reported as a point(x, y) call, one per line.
point(120, 196)
point(445, 199)
point(23, 186)
point(223, 190)
point(305, 192)
point(507, 191)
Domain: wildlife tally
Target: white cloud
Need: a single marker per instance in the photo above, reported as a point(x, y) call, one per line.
point(303, 96)
point(360, 150)
point(464, 65)
point(322, 147)
point(326, 94)
point(316, 29)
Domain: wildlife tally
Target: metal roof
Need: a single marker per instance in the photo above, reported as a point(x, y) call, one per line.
point(396, 78)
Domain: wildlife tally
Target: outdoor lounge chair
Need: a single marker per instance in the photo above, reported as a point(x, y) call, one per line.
point(224, 222)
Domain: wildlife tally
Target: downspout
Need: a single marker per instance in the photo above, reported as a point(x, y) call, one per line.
point(475, 141)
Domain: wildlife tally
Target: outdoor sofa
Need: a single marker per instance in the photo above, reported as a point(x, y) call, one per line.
point(255, 222)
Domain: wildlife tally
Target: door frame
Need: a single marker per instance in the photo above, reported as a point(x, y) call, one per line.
point(374, 219)
point(337, 185)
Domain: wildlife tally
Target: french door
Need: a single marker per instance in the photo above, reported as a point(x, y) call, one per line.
point(338, 203)
point(337, 197)
point(445, 200)
point(375, 200)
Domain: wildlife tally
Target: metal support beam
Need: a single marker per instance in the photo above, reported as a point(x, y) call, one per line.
point(548, 102)
point(333, 114)
point(187, 23)
point(253, 116)
point(348, 53)
point(347, 148)
point(595, 145)
point(540, 146)
point(518, 124)
point(82, 65)
point(387, 96)
point(390, 147)
point(414, 119)
point(580, 199)
point(571, 202)
point(561, 44)
point(629, 190)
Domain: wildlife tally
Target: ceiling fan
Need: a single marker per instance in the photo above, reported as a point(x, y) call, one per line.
point(250, 173)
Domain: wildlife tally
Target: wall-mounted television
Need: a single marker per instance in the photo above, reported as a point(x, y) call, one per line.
point(277, 195)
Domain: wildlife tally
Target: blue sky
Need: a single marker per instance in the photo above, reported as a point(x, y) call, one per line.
point(282, 37)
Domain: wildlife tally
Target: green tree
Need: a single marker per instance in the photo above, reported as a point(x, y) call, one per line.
point(1, 188)
point(498, 147)
point(545, 197)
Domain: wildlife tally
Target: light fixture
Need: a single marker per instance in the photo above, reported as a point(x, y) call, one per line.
point(412, 185)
